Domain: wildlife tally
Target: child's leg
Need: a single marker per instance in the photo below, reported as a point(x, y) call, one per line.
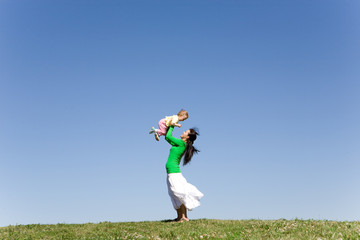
point(162, 127)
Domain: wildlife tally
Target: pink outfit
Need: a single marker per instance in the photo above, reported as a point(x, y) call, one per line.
point(162, 127)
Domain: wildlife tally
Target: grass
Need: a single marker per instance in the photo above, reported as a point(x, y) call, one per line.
point(195, 229)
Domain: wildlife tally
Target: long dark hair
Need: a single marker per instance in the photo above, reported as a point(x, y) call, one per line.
point(190, 149)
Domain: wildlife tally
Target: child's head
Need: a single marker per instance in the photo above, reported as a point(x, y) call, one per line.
point(183, 115)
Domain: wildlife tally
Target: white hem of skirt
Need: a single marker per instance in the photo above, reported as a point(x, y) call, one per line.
point(182, 192)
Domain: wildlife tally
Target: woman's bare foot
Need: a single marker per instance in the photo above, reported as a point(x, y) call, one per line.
point(183, 220)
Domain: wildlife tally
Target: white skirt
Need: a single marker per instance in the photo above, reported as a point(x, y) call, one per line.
point(182, 192)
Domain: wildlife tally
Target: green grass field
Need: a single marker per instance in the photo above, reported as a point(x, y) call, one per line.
point(195, 229)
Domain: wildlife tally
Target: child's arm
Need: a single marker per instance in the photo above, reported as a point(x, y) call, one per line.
point(171, 121)
point(174, 123)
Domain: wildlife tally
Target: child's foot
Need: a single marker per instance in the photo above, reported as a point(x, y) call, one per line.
point(152, 130)
point(156, 136)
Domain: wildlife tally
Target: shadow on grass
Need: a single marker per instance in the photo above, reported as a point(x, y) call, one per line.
point(174, 221)
point(168, 220)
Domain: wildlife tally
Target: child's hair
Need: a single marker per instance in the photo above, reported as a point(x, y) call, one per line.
point(183, 112)
point(190, 149)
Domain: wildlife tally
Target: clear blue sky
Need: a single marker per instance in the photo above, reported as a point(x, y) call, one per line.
point(273, 86)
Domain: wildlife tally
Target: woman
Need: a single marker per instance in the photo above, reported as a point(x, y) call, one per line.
point(183, 195)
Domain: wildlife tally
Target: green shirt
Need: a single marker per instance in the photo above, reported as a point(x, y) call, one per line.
point(176, 152)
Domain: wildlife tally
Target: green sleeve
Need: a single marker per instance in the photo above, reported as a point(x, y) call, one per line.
point(173, 140)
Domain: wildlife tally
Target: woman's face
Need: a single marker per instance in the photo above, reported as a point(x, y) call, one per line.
point(185, 135)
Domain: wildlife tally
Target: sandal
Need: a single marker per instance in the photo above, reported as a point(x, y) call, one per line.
point(152, 130)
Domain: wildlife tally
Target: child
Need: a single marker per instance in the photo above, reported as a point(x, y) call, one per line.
point(167, 122)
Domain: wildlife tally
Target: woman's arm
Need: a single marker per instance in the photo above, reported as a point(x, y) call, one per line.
point(173, 140)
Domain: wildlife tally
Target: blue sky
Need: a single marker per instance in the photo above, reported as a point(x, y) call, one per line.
point(273, 87)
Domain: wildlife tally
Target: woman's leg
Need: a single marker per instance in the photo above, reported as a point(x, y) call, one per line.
point(178, 214)
point(183, 213)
